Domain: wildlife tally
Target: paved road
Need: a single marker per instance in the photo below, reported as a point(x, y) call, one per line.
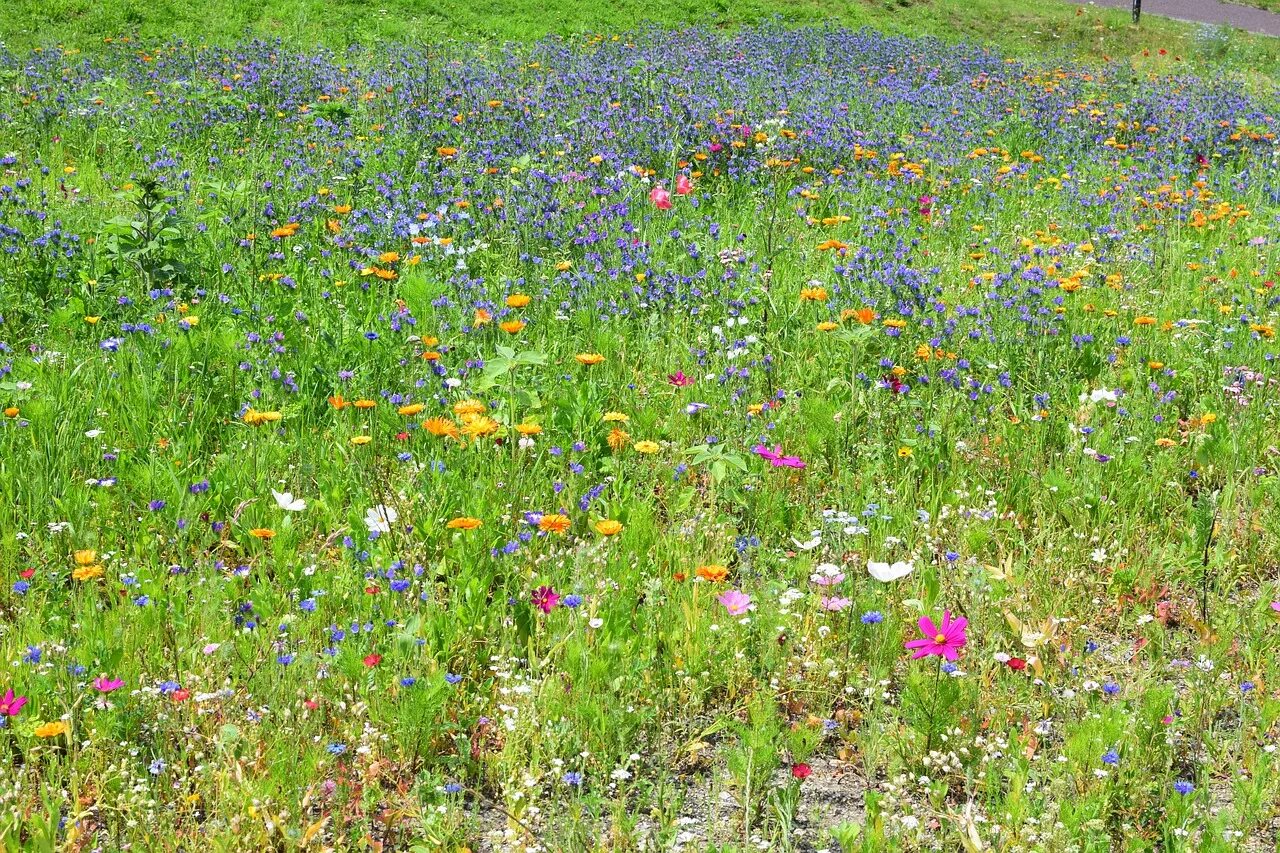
point(1206, 12)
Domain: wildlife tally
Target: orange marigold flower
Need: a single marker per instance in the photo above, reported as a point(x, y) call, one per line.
point(512, 327)
point(441, 427)
point(86, 557)
point(529, 429)
point(712, 572)
point(365, 404)
point(589, 358)
point(410, 410)
point(337, 402)
point(518, 300)
point(813, 294)
point(1144, 321)
point(464, 523)
point(608, 527)
point(862, 315)
point(618, 439)
point(262, 533)
point(558, 524)
point(480, 426)
point(646, 446)
point(482, 316)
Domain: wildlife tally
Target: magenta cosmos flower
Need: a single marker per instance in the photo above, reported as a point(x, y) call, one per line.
point(545, 598)
point(10, 705)
point(776, 459)
point(942, 639)
point(737, 603)
point(661, 198)
point(105, 685)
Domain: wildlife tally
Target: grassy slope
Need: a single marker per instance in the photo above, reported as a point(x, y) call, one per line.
point(1016, 26)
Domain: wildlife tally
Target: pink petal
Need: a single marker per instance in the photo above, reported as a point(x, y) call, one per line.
point(928, 628)
point(949, 653)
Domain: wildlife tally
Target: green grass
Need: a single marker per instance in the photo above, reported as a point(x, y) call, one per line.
point(246, 270)
point(1016, 27)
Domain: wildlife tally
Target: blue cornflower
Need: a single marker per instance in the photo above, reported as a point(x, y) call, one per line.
point(1111, 757)
point(451, 678)
point(574, 600)
point(873, 617)
point(1183, 787)
point(336, 748)
point(573, 777)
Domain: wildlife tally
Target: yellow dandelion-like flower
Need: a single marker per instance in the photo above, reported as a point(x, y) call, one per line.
point(469, 407)
point(360, 440)
point(813, 294)
point(411, 409)
point(529, 429)
point(480, 426)
point(53, 729)
point(252, 417)
point(589, 358)
point(262, 533)
point(646, 446)
point(905, 452)
point(608, 527)
point(518, 300)
point(464, 523)
point(828, 326)
point(86, 557)
point(614, 418)
point(88, 573)
point(512, 327)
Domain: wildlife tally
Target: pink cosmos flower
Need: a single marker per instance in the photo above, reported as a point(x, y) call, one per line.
point(737, 603)
point(941, 640)
point(926, 205)
point(684, 186)
point(545, 598)
point(835, 605)
point(776, 459)
point(105, 685)
point(679, 380)
point(716, 148)
point(10, 705)
point(661, 198)
point(1275, 605)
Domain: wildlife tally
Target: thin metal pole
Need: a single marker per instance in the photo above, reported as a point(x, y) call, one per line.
point(1137, 10)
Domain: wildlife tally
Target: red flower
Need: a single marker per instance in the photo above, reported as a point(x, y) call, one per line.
point(661, 198)
point(311, 704)
point(373, 589)
point(29, 573)
point(801, 771)
point(373, 660)
point(683, 185)
point(402, 436)
point(1016, 663)
point(181, 695)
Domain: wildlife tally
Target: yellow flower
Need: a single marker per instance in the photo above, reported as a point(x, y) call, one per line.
point(87, 557)
point(1155, 365)
point(262, 533)
point(589, 358)
point(254, 418)
point(512, 327)
point(469, 407)
point(1165, 442)
point(558, 524)
point(712, 572)
point(464, 523)
point(646, 446)
point(480, 426)
point(608, 527)
point(614, 418)
point(564, 266)
point(828, 326)
point(1144, 321)
point(618, 439)
point(905, 452)
point(529, 429)
point(365, 404)
point(46, 730)
point(813, 294)
point(411, 409)
point(359, 440)
point(92, 321)
point(88, 573)
point(518, 300)
point(1208, 418)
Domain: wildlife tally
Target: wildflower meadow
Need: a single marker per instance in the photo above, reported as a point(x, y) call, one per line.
point(680, 439)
